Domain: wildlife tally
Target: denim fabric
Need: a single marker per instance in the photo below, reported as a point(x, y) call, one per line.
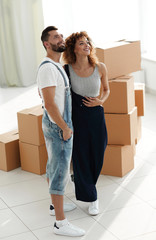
point(59, 151)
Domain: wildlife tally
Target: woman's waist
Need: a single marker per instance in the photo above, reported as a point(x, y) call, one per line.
point(78, 97)
point(77, 101)
point(83, 95)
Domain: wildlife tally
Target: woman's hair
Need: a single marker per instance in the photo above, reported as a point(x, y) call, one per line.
point(69, 56)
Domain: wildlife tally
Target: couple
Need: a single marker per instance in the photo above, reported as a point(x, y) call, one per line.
point(85, 121)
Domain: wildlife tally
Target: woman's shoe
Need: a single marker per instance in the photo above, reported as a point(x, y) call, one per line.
point(94, 208)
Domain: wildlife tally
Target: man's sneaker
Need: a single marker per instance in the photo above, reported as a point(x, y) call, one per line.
point(67, 207)
point(94, 208)
point(68, 229)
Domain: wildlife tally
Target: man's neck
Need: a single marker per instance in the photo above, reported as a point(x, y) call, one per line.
point(55, 56)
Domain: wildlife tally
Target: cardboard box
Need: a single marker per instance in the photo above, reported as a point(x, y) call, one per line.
point(30, 125)
point(121, 57)
point(121, 98)
point(33, 158)
point(118, 160)
point(9, 151)
point(139, 89)
point(139, 129)
point(122, 128)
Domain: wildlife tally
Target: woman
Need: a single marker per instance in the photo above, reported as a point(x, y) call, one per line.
point(90, 134)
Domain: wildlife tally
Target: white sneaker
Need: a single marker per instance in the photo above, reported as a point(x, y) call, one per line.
point(94, 208)
point(68, 229)
point(66, 207)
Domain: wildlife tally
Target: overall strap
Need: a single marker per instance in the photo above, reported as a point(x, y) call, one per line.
point(65, 81)
point(66, 68)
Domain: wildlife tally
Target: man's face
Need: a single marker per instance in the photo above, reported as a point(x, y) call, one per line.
point(56, 41)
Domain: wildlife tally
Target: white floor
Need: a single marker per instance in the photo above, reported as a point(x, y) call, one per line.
point(127, 205)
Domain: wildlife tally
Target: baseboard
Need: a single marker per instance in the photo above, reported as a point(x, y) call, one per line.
point(149, 90)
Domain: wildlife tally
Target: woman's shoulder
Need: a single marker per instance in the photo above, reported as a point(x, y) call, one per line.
point(101, 65)
point(102, 68)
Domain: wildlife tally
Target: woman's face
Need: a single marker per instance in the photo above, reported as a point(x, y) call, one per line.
point(82, 47)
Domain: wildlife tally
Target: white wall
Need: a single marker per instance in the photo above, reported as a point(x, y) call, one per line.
point(148, 39)
point(59, 14)
point(103, 20)
point(149, 67)
point(109, 20)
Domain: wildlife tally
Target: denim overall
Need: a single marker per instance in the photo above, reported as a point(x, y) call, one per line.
point(59, 151)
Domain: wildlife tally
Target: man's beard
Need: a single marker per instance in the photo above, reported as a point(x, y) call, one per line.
point(56, 48)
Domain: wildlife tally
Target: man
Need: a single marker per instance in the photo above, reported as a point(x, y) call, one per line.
point(54, 89)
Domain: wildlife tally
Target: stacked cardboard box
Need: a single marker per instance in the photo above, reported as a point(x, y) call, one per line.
point(121, 121)
point(139, 89)
point(9, 151)
point(32, 145)
point(121, 58)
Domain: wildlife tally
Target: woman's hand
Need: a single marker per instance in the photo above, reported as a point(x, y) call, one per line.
point(92, 101)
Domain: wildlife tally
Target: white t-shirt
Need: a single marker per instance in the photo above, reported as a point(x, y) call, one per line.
point(48, 75)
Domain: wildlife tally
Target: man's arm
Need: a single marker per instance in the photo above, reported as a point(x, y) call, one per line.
point(53, 111)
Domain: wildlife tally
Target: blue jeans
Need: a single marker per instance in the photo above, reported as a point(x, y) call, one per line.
point(59, 151)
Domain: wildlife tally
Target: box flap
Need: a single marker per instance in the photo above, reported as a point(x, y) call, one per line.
point(13, 132)
point(123, 78)
point(36, 111)
point(9, 136)
point(128, 40)
point(107, 45)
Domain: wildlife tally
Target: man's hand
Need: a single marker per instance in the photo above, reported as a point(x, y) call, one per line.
point(67, 133)
point(53, 111)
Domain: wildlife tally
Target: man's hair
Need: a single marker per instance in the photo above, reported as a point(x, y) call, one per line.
point(45, 34)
